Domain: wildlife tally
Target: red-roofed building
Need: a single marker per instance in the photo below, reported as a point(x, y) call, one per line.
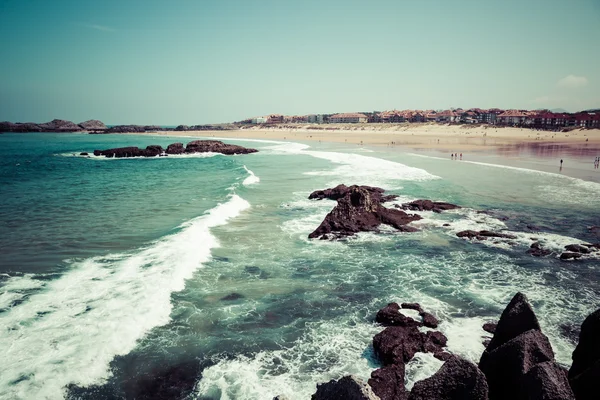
point(512, 117)
point(350, 118)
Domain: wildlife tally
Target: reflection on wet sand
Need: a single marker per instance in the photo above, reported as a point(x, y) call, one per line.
point(536, 149)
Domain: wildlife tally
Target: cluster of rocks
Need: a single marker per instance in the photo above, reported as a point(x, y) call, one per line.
point(518, 362)
point(572, 251)
point(225, 127)
point(56, 125)
point(360, 209)
point(196, 146)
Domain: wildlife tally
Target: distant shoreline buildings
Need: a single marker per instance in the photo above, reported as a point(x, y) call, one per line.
point(537, 119)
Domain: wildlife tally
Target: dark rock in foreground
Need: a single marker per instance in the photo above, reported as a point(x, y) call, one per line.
point(388, 382)
point(547, 381)
point(390, 315)
point(585, 370)
point(457, 379)
point(346, 388)
point(428, 205)
point(360, 210)
point(197, 146)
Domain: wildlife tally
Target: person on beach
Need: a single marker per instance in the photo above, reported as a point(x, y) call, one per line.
point(461, 156)
point(452, 156)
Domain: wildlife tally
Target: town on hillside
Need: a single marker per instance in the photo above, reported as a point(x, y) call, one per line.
point(537, 119)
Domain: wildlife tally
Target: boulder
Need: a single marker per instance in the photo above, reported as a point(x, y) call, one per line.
point(93, 126)
point(342, 190)
point(388, 382)
point(152, 151)
point(360, 210)
point(587, 352)
point(567, 255)
point(517, 318)
point(490, 327)
point(428, 205)
point(577, 248)
point(182, 128)
point(537, 250)
point(175, 148)
point(547, 381)
point(483, 235)
point(83, 153)
point(346, 388)
point(216, 146)
point(429, 320)
point(390, 315)
point(505, 366)
point(585, 385)
point(412, 306)
point(120, 152)
point(398, 344)
point(457, 379)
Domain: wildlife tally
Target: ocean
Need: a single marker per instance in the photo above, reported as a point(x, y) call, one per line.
point(119, 277)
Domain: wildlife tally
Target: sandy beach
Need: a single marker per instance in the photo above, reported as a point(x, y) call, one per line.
point(445, 138)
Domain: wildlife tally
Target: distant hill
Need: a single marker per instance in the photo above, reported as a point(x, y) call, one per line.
point(559, 110)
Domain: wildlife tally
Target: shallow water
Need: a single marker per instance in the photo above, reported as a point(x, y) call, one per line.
point(115, 271)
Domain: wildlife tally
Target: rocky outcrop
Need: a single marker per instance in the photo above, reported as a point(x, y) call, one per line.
point(457, 379)
point(483, 235)
point(216, 146)
point(575, 251)
point(388, 382)
point(537, 250)
point(360, 210)
point(197, 146)
point(585, 370)
point(428, 205)
point(56, 125)
point(342, 190)
point(223, 127)
point(93, 126)
point(390, 315)
point(547, 381)
point(346, 388)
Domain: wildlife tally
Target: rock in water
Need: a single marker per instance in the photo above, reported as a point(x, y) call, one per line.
point(346, 388)
point(175, 148)
point(390, 315)
point(457, 379)
point(120, 152)
point(517, 318)
point(360, 210)
point(388, 382)
point(428, 205)
point(342, 190)
point(547, 381)
point(197, 146)
point(585, 370)
point(505, 366)
point(93, 125)
point(59, 125)
point(215, 146)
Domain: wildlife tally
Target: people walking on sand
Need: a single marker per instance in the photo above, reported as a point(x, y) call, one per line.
point(461, 156)
point(452, 156)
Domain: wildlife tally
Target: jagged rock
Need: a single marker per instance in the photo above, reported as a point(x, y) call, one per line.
point(506, 365)
point(342, 191)
point(537, 250)
point(361, 211)
point(388, 382)
point(175, 148)
point(412, 306)
point(490, 327)
point(577, 248)
point(93, 126)
point(570, 256)
point(517, 318)
point(457, 379)
point(483, 235)
point(119, 152)
point(216, 146)
point(346, 388)
point(429, 320)
point(428, 205)
point(390, 315)
point(547, 381)
point(398, 344)
point(587, 351)
point(152, 151)
point(585, 385)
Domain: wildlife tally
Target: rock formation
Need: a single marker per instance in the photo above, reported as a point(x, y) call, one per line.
point(428, 205)
point(483, 235)
point(585, 370)
point(93, 126)
point(358, 209)
point(56, 125)
point(346, 388)
point(197, 146)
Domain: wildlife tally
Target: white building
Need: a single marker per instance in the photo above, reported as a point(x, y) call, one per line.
point(349, 118)
point(259, 120)
point(315, 119)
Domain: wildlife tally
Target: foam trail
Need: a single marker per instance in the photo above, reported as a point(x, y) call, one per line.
point(251, 179)
point(71, 330)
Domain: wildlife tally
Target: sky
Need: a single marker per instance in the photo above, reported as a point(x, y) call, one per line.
point(211, 61)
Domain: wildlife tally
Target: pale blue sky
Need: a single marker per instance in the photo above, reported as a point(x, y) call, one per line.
point(207, 61)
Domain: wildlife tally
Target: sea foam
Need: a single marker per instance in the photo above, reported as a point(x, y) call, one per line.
point(71, 330)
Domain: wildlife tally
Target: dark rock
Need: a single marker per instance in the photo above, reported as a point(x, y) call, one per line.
point(83, 154)
point(446, 225)
point(483, 235)
point(181, 128)
point(428, 205)
point(216, 146)
point(577, 248)
point(490, 327)
point(517, 317)
point(93, 126)
point(506, 365)
point(429, 320)
point(232, 296)
point(570, 331)
point(470, 234)
point(398, 344)
point(174, 382)
point(361, 211)
point(175, 148)
point(153, 151)
point(587, 351)
point(457, 379)
point(346, 388)
point(342, 190)
point(390, 315)
point(59, 125)
point(537, 250)
point(412, 306)
point(585, 385)
point(281, 397)
point(570, 256)
point(388, 382)
point(126, 129)
point(442, 355)
point(547, 381)
point(120, 152)
point(19, 127)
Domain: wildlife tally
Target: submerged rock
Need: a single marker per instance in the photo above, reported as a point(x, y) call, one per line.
point(428, 205)
point(457, 379)
point(359, 210)
point(537, 250)
point(483, 235)
point(197, 146)
point(346, 388)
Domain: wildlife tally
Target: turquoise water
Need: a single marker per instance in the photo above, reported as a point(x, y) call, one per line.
point(115, 271)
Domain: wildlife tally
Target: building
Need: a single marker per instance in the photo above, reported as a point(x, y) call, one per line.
point(259, 120)
point(349, 118)
point(512, 117)
point(446, 116)
point(275, 119)
point(315, 119)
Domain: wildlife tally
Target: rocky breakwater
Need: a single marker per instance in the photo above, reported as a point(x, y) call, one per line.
point(360, 209)
point(196, 146)
point(517, 364)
